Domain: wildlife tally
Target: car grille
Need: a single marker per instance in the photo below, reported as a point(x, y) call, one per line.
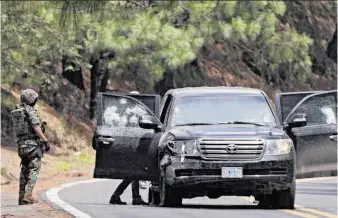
point(231, 149)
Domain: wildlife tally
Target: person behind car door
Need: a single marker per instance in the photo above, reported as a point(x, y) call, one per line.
point(32, 142)
point(135, 187)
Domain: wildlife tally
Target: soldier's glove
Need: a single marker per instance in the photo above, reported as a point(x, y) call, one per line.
point(43, 127)
point(45, 146)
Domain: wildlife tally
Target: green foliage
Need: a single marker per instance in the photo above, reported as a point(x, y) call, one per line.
point(30, 36)
point(63, 166)
point(3, 170)
point(7, 100)
point(85, 158)
point(148, 40)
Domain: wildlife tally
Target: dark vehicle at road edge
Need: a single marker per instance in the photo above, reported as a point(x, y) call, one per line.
point(206, 141)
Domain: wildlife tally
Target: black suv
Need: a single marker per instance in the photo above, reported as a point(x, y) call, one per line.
point(206, 141)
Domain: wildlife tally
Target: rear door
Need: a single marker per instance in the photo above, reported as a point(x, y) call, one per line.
point(316, 147)
point(123, 149)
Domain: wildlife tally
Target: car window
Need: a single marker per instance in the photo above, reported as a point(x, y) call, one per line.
point(319, 109)
point(122, 112)
point(223, 108)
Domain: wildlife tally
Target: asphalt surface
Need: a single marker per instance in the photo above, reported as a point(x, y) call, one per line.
point(315, 198)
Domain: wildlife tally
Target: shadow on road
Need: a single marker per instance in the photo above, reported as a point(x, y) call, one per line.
point(185, 206)
point(221, 207)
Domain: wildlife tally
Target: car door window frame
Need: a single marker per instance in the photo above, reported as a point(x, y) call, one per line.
point(279, 106)
point(306, 99)
point(127, 97)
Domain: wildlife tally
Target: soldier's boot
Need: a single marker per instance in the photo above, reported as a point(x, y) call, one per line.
point(21, 199)
point(28, 199)
point(21, 202)
point(21, 195)
point(139, 201)
point(116, 200)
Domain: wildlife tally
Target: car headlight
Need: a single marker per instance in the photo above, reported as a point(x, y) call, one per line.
point(278, 146)
point(183, 148)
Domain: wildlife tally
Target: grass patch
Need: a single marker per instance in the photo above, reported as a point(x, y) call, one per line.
point(63, 166)
point(3, 170)
point(85, 158)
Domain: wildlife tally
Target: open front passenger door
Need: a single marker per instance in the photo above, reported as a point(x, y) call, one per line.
point(123, 148)
point(315, 140)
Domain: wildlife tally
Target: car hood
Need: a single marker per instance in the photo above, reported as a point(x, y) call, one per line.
point(228, 131)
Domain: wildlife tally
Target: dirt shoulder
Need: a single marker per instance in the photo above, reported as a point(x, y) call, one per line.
point(55, 170)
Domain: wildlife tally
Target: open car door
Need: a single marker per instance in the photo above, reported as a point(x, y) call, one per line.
point(316, 142)
point(123, 148)
point(286, 101)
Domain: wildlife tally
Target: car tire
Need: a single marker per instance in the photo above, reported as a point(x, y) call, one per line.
point(265, 201)
point(169, 196)
point(285, 199)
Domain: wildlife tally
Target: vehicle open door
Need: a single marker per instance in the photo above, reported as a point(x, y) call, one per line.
point(313, 126)
point(286, 101)
point(123, 148)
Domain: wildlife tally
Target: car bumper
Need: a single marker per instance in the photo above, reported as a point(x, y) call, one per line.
point(270, 170)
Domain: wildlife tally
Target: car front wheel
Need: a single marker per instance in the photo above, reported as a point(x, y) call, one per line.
point(283, 199)
point(286, 199)
point(169, 196)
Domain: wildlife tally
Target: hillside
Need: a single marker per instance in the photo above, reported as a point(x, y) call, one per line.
point(66, 94)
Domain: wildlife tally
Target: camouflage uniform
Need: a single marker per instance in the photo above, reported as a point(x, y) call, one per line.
point(28, 144)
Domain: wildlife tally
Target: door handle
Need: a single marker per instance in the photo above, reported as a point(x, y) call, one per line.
point(106, 140)
point(333, 137)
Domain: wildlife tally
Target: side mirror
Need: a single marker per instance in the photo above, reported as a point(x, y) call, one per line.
point(148, 124)
point(297, 120)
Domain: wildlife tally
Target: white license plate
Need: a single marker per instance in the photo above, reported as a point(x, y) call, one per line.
point(232, 172)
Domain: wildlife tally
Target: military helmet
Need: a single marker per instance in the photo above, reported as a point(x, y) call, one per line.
point(28, 96)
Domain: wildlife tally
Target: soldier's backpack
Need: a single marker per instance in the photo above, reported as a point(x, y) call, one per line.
point(20, 122)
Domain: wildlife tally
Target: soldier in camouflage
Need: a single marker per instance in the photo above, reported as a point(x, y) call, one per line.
point(32, 143)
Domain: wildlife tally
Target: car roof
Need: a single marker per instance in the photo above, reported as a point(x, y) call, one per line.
point(205, 90)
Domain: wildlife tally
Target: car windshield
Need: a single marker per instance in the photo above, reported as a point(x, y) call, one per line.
point(224, 109)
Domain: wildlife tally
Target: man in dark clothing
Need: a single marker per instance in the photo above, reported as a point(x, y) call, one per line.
point(137, 199)
point(135, 187)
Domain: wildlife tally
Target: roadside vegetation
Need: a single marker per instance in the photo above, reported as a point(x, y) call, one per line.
point(70, 50)
point(148, 38)
point(76, 161)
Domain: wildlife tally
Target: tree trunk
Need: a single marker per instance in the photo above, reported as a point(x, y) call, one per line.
point(332, 48)
point(98, 82)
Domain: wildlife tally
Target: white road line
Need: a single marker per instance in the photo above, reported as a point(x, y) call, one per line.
point(52, 195)
point(316, 179)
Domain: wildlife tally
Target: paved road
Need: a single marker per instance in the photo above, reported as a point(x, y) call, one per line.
point(315, 198)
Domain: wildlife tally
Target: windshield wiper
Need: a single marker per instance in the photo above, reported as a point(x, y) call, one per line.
point(194, 124)
point(244, 122)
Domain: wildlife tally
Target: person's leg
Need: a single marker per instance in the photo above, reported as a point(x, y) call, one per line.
point(23, 181)
point(135, 188)
point(115, 198)
point(137, 199)
point(122, 186)
point(34, 167)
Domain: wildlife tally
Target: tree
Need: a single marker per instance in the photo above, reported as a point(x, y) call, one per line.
point(149, 38)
